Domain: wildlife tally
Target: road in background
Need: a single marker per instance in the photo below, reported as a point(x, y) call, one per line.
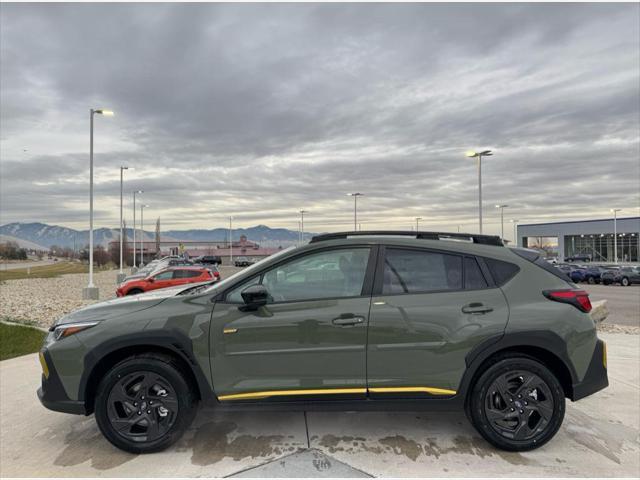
point(17, 265)
point(623, 302)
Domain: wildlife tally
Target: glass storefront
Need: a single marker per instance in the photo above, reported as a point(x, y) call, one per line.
point(600, 247)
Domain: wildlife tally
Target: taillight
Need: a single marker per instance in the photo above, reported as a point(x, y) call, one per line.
point(216, 274)
point(577, 298)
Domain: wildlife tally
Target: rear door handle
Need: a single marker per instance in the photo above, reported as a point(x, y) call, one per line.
point(347, 320)
point(476, 309)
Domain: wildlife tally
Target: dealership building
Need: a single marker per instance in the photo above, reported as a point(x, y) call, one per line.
point(594, 238)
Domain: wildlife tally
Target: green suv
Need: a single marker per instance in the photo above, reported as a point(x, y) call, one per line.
point(351, 321)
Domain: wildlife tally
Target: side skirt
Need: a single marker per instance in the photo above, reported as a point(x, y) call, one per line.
point(454, 403)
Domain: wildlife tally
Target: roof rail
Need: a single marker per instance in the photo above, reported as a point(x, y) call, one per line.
point(459, 237)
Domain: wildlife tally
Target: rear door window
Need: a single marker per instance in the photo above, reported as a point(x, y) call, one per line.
point(414, 271)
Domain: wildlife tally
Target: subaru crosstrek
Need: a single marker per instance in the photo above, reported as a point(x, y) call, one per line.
point(351, 321)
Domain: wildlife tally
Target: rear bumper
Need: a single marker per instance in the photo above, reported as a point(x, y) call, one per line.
point(596, 377)
point(52, 394)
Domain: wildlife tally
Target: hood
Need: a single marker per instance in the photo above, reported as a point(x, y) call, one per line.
point(121, 306)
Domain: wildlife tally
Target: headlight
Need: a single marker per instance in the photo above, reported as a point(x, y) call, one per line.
point(68, 329)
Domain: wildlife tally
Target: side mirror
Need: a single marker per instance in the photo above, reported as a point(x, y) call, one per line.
point(151, 279)
point(254, 296)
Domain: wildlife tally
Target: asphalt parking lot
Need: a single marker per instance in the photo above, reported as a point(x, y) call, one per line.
point(600, 437)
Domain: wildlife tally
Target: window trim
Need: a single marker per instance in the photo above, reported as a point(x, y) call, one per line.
point(367, 284)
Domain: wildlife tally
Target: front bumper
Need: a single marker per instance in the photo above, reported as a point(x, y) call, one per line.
point(52, 394)
point(596, 377)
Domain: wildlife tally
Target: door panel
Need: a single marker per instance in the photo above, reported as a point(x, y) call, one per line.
point(428, 311)
point(289, 346)
point(421, 340)
point(310, 338)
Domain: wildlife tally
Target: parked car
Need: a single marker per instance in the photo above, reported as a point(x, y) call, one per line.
point(209, 260)
point(169, 277)
point(578, 257)
point(243, 262)
point(593, 274)
point(401, 321)
point(625, 276)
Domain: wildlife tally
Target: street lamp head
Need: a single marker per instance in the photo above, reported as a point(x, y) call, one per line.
point(514, 220)
point(502, 206)
point(614, 210)
point(144, 206)
point(473, 153)
point(102, 111)
point(355, 194)
point(138, 191)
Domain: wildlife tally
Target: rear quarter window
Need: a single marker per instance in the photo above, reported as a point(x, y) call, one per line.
point(501, 271)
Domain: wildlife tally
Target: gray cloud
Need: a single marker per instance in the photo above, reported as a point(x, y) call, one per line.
point(259, 110)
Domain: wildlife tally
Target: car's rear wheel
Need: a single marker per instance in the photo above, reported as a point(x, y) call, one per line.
point(517, 404)
point(144, 403)
point(135, 291)
point(624, 282)
point(591, 280)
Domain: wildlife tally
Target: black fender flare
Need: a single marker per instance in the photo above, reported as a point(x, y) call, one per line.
point(539, 339)
point(170, 339)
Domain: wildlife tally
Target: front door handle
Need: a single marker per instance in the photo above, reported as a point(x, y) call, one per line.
point(476, 309)
point(347, 320)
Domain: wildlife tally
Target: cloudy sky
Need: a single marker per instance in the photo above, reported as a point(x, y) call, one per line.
point(257, 111)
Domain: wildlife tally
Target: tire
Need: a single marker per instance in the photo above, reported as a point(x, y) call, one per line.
point(154, 378)
point(625, 282)
point(591, 281)
point(135, 291)
point(501, 426)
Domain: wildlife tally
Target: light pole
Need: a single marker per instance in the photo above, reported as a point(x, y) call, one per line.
point(142, 207)
point(121, 274)
point(473, 154)
point(615, 234)
point(133, 268)
point(91, 292)
point(418, 223)
point(302, 212)
point(515, 231)
point(230, 240)
point(502, 207)
point(355, 196)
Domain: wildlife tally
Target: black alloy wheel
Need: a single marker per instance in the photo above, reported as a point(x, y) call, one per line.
point(145, 403)
point(516, 404)
point(142, 406)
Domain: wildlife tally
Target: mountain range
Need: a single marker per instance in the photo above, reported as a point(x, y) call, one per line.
point(49, 235)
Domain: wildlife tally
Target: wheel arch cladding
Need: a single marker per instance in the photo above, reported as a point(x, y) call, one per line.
point(104, 357)
point(546, 347)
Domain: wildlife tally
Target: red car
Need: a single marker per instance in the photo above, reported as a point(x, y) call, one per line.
point(170, 277)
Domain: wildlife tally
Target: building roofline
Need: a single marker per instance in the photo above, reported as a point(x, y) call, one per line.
point(577, 221)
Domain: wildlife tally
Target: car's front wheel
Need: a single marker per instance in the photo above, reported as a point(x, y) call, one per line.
point(517, 404)
point(624, 282)
point(144, 403)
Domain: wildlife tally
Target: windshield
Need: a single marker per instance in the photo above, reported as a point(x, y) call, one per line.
point(255, 266)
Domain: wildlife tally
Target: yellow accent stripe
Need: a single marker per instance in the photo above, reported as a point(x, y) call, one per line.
point(431, 390)
point(230, 330)
point(45, 367)
point(278, 393)
point(333, 391)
